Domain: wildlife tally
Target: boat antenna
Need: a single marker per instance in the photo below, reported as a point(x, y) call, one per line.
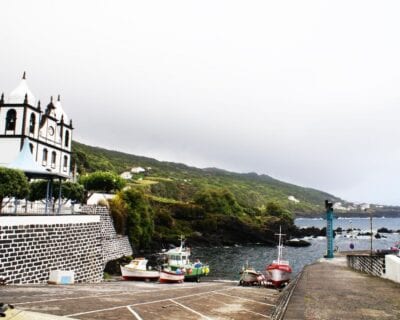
point(182, 238)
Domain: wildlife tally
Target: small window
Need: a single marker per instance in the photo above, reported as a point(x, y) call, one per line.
point(65, 163)
point(31, 147)
point(11, 119)
point(66, 138)
point(44, 158)
point(53, 159)
point(32, 123)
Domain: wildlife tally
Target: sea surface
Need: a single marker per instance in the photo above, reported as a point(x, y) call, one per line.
point(226, 262)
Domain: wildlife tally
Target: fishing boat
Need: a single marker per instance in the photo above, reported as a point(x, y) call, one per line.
point(279, 270)
point(167, 275)
point(137, 270)
point(250, 277)
point(178, 259)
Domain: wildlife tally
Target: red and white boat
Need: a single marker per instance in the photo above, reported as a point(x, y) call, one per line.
point(169, 276)
point(279, 270)
point(137, 270)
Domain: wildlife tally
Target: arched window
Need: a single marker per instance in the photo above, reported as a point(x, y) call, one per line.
point(32, 123)
point(65, 163)
point(44, 158)
point(66, 138)
point(11, 119)
point(53, 159)
point(31, 147)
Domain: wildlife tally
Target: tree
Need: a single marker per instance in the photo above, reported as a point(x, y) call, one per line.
point(102, 181)
point(13, 183)
point(275, 209)
point(218, 201)
point(69, 191)
point(140, 225)
point(119, 213)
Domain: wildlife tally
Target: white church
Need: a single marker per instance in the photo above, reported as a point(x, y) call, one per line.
point(48, 130)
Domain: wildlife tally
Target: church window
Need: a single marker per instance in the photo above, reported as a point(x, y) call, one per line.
point(66, 138)
point(31, 147)
point(32, 123)
point(11, 119)
point(44, 159)
point(53, 159)
point(65, 163)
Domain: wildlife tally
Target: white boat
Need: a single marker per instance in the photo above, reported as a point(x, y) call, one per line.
point(169, 276)
point(249, 277)
point(279, 270)
point(137, 270)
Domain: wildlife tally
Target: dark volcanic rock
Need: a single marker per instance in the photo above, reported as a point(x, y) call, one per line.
point(297, 243)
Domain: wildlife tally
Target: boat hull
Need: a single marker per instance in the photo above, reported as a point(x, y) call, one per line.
point(139, 275)
point(279, 274)
point(193, 273)
point(171, 277)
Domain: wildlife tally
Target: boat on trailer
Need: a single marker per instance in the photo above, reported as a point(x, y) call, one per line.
point(250, 277)
point(137, 270)
point(279, 270)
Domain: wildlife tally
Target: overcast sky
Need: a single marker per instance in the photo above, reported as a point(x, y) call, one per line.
point(304, 91)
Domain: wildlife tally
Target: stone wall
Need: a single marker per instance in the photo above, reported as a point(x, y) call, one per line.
point(32, 246)
point(114, 246)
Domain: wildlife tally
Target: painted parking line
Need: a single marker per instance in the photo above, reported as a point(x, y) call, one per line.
point(134, 313)
point(144, 303)
point(255, 301)
point(112, 295)
point(190, 309)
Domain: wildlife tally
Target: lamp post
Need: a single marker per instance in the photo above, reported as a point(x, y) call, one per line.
point(370, 222)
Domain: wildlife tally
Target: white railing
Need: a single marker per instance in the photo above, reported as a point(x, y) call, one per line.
point(22, 207)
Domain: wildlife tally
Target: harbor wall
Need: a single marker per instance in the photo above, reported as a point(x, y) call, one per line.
point(392, 268)
point(113, 245)
point(32, 246)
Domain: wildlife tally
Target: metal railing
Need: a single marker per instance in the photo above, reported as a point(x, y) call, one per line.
point(22, 208)
point(373, 265)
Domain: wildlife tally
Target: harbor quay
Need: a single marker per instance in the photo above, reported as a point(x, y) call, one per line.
point(329, 289)
point(127, 300)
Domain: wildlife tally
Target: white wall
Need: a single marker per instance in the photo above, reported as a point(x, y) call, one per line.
point(392, 268)
point(48, 220)
point(9, 150)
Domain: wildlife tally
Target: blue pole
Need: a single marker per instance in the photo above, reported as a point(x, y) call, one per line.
point(329, 229)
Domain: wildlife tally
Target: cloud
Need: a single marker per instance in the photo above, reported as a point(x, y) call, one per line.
point(304, 91)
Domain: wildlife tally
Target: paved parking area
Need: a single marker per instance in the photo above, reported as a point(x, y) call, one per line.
point(138, 300)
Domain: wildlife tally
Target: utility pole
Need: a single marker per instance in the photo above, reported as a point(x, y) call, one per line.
point(370, 221)
point(329, 229)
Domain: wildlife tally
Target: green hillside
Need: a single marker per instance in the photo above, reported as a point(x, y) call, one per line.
point(169, 182)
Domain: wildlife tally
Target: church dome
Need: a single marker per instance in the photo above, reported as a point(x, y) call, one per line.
point(60, 113)
point(17, 96)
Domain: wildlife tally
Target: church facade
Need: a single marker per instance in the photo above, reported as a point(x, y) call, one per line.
point(48, 129)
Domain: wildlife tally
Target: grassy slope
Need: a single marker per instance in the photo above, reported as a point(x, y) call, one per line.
point(251, 190)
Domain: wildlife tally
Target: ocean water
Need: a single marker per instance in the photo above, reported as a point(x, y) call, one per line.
point(226, 262)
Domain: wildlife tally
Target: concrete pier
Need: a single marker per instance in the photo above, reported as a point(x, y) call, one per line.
point(125, 300)
point(329, 289)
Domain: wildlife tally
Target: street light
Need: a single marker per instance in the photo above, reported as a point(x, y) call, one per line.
point(366, 209)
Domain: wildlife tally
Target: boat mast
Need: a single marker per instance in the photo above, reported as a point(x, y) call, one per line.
point(280, 246)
